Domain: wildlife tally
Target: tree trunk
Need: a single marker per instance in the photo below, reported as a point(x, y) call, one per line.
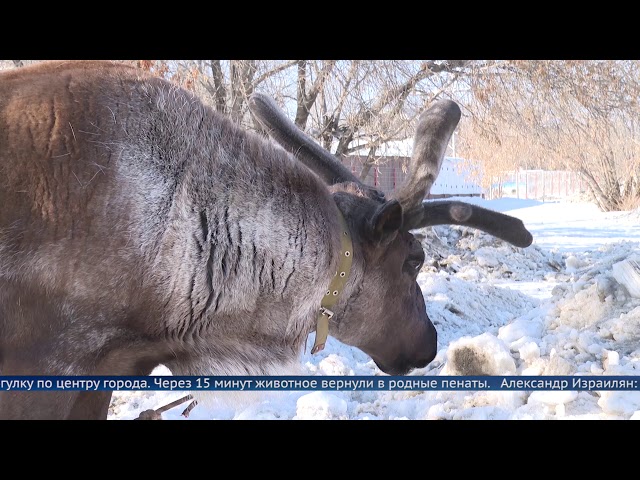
point(366, 168)
point(306, 99)
point(369, 162)
point(219, 91)
point(242, 73)
point(597, 192)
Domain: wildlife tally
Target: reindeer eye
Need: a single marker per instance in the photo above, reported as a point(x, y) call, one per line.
point(414, 264)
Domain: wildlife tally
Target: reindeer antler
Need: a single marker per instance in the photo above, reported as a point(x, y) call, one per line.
point(294, 140)
point(435, 127)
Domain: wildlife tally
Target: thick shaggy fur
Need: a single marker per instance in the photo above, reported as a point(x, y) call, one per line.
point(139, 227)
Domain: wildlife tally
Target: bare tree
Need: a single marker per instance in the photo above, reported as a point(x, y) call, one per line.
point(349, 106)
point(370, 103)
point(226, 85)
point(561, 114)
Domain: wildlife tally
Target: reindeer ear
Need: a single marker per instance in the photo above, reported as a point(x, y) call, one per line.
point(385, 222)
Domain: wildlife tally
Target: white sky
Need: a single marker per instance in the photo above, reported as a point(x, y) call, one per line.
point(559, 307)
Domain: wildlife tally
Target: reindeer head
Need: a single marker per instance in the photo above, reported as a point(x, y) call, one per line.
point(383, 311)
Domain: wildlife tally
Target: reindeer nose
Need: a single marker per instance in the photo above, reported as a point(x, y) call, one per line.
point(425, 356)
point(429, 353)
point(427, 359)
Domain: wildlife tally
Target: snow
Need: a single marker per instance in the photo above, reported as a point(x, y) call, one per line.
point(566, 305)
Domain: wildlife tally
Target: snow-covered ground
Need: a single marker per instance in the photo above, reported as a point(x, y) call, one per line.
point(568, 304)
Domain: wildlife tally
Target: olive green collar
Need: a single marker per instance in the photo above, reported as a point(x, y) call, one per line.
point(336, 286)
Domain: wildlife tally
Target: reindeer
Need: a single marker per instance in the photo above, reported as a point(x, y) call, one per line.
point(139, 227)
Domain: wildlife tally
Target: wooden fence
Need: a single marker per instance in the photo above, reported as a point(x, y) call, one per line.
point(453, 179)
point(538, 185)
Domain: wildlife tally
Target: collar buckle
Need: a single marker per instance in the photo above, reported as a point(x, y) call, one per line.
point(326, 312)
